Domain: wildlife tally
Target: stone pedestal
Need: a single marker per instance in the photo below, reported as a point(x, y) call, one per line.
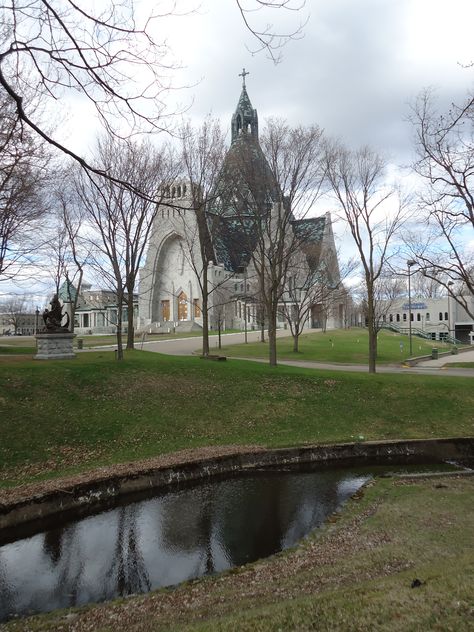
point(54, 346)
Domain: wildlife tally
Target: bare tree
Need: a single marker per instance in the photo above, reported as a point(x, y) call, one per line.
point(267, 197)
point(310, 285)
point(374, 212)
point(65, 251)
point(22, 201)
point(295, 159)
point(15, 307)
point(387, 289)
point(445, 161)
point(202, 153)
point(107, 54)
point(51, 48)
point(120, 220)
point(268, 39)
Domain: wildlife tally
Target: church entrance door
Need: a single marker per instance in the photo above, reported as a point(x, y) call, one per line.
point(165, 310)
point(182, 306)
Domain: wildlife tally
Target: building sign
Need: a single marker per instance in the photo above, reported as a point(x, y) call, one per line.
point(414, 306)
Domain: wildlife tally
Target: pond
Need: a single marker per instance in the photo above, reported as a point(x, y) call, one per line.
point(171, 537)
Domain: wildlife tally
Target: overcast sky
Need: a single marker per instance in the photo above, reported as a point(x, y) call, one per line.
point(354, 72)
point(358, 66)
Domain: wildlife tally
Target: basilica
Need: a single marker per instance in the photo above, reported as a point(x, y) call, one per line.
point(171, 290)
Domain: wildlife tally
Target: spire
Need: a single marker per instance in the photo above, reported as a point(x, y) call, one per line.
point(244, 119)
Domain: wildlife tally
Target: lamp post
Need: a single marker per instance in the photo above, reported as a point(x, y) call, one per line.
point(36, 319)
point(450, 284)
point(410, 263)
point(243, 270)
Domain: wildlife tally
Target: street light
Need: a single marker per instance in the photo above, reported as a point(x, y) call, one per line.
point(410, 263)
point(36, 320)
point(243, 270)
point(450, 284)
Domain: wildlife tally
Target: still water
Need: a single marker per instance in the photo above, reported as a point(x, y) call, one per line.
point(167, 539)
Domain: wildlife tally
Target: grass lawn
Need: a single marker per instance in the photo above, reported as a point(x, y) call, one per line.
point(354, 574)
point(27, 344)
point(67, 416)
point(16, 349)
point(463, 365)
point(346, 346)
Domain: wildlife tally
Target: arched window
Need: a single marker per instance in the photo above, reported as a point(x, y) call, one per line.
point(440, 316)
point(398, 318)
point(404, 317)
point(427, 316)
point(418, 317)
point(446, 316)
point(391, 318)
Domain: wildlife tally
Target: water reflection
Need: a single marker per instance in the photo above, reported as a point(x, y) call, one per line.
point(167, 539)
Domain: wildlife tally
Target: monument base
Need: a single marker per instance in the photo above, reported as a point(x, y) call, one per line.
point(54, 346)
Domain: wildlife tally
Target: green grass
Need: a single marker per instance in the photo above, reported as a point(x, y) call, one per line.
point(11, 344)
point(353, 575)
point(462, 365)
point(345, 346)
point(15, 350)
point(63, 416)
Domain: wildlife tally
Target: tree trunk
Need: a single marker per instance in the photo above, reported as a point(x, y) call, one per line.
point(119, 331)
point(296, 338)
point(272, 350)
point(372, 332)
point(205, 314)
point(131, 329)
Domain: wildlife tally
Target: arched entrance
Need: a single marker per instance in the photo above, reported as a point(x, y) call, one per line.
point(182, 306)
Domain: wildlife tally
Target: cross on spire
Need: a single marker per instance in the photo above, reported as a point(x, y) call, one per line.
point(243, 74)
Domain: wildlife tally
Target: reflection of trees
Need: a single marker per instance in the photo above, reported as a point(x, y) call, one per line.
point(251, 521)
point(6, 595)
point(201, 530)
point(52, 544)
point(63, 548)
point(188, 526)
point(248, 518)
point(127, 573)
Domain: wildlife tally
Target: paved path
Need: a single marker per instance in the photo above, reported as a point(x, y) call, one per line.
point(188, 346)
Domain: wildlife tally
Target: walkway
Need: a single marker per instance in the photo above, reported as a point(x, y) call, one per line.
point(188, 346)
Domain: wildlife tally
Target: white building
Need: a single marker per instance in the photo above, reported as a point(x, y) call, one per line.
point(439, 318)
point(170, 295)
point(97, 309)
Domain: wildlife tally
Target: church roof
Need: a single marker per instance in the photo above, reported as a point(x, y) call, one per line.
point(309, 233)
point(67, 292)
point(245, 191)
point(234, 240)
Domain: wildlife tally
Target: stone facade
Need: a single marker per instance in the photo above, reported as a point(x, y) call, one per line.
point(54, 346)
point(170, 295)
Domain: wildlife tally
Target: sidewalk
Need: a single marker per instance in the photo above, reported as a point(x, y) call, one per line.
point(464, 356)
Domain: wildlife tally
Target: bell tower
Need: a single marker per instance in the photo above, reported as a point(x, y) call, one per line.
point(244, 119)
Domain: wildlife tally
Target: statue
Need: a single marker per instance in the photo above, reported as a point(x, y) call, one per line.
point(53, 318)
